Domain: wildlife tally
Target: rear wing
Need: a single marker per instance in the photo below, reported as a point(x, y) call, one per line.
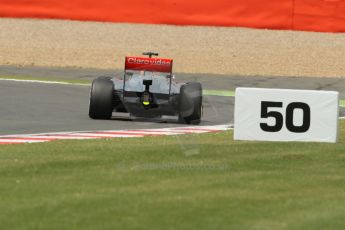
point(149, 64)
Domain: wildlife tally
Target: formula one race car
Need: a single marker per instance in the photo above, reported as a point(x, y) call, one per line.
point(147, 89)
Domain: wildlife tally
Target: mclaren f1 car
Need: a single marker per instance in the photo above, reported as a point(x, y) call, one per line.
point(147, 89)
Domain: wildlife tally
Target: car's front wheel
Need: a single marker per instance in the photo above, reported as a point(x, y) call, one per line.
point(101, 98)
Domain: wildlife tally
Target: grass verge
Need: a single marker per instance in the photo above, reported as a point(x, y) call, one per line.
point(202, 181)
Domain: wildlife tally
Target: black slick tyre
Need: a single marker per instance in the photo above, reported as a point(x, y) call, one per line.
point(101, 98)
point(190, 103)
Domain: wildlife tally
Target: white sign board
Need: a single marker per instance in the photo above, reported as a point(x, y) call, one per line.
point(286, 115)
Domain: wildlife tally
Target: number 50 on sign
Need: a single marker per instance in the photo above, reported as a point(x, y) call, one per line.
point(286, 115)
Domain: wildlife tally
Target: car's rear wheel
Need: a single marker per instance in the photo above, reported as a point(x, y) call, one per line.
point(101, 98)
point(190, 103)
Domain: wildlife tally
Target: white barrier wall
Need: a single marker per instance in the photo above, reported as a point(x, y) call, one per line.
point(286, 115)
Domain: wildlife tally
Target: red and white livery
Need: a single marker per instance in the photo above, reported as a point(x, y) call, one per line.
point(149, 64)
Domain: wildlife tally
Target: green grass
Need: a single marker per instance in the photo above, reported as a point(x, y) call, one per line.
point(202, 181)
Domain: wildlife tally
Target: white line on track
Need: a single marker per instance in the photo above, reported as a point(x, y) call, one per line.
point(43, 82)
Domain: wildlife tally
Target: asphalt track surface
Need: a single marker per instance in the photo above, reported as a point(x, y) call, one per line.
point(38, 108)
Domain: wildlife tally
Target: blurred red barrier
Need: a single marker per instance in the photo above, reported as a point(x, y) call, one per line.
point(318, 15)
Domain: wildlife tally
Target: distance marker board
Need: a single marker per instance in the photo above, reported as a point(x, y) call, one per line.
point(286, 115)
